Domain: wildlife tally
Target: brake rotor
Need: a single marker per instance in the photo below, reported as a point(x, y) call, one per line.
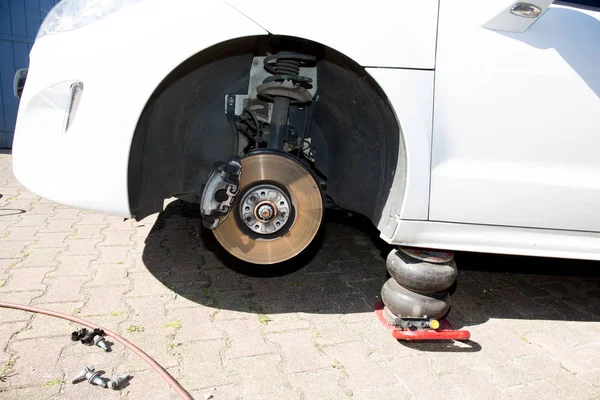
point(276, 214)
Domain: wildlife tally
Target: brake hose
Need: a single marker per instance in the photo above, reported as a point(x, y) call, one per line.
point(155, 366)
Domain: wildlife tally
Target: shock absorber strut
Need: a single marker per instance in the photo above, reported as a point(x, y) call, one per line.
point(285, 88)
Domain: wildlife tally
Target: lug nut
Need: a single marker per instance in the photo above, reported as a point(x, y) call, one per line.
point(95, 379)
point(100, 342)
point(116, 381)
point(83, 374)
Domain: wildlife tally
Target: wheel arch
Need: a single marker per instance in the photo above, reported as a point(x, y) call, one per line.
point(183, 130)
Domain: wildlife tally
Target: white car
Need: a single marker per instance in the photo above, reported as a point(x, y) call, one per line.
point(450, 124)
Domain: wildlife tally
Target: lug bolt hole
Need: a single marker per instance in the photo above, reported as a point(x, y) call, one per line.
point(247, 208)
point(256, 226)
point(281, 203)
point(263, 194)
point(278, 223)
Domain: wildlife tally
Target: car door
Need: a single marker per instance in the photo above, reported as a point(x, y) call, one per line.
point(516, 137)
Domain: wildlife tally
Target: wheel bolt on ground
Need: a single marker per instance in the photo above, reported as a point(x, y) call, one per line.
point(116, 381)
point(100, 342)
point(83, 374)
point(95, 379)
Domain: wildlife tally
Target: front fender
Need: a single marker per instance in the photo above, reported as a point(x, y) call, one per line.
point(120, 60)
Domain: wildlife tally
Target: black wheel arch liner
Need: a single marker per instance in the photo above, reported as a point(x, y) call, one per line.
point(183, 129)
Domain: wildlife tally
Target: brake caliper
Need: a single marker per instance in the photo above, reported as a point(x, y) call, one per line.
point(221, 188)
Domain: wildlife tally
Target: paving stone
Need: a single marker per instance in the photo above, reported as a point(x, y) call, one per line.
point(30, 393)
point(120, 224)
point(234, 305)
point(59, 225)
point(31, 220)
point(321, 385)
point(386, 392)
point(117, 238)
point(24, 297)
point(26, 279)
point(479, 385)
point(13, 249)
point(225, 279)
point(25, 205)
point(42, 209)
point(244, 339)
point(36, 361)
point(105, 300)
point(26, 233)
point(88, 231)
point(63, 288)
point(186, 273)
point(146, 284)
point(541, 390)
point(201, 365)
point(575, 359)
point(512, 344)
point(108, 274)
point(155, 344)
point(78, 247)
point(382, 346)
point(40, 257)
point(353, 358)
point(86, 218)
point(46, 326)
point(259, 378)
point(330, 329)
point(147, 385)
point(196, 324)
point(573, 332)
point(279, 323)
point(7, 330)
point(112, 254)
point(74, 265)
point(412, 373)
point(229, 392)
point(6, 264)
point(300, 352)
point(592, 377)
point(65, 213)
point(149, 311)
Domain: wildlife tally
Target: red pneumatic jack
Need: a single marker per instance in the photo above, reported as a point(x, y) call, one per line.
point(435, 330)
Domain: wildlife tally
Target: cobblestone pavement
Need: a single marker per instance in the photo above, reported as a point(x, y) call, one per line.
point(303, 331)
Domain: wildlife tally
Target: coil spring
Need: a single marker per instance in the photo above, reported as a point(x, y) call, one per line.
point(286, 65)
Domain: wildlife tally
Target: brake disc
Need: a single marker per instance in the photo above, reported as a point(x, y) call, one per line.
point(276, 213)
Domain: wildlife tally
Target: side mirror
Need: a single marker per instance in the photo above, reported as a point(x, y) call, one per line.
point(19, 82)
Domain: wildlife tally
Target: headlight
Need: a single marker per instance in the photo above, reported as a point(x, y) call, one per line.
point(73, 14)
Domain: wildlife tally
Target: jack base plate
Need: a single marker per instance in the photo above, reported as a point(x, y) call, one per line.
point(445, 331)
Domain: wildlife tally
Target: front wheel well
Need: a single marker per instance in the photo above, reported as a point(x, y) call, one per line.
point(183, 129)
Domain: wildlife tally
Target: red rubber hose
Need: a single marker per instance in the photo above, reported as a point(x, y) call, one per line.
point(161, 371)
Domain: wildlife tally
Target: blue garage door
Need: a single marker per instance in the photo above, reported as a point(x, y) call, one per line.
point(19, 23)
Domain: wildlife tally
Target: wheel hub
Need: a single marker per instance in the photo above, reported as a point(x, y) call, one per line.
point(277, 212)
point(265, 209)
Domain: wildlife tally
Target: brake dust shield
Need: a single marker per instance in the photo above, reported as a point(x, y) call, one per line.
point(305, 195)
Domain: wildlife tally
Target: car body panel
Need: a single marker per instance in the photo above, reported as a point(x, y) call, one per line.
point(120, 64)
point(492, 126)
point(378, 33)
point(410, 92)
point(497, 239)
point(517, 120)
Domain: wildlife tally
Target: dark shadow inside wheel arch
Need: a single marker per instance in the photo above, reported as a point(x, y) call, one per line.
point(183, 130)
